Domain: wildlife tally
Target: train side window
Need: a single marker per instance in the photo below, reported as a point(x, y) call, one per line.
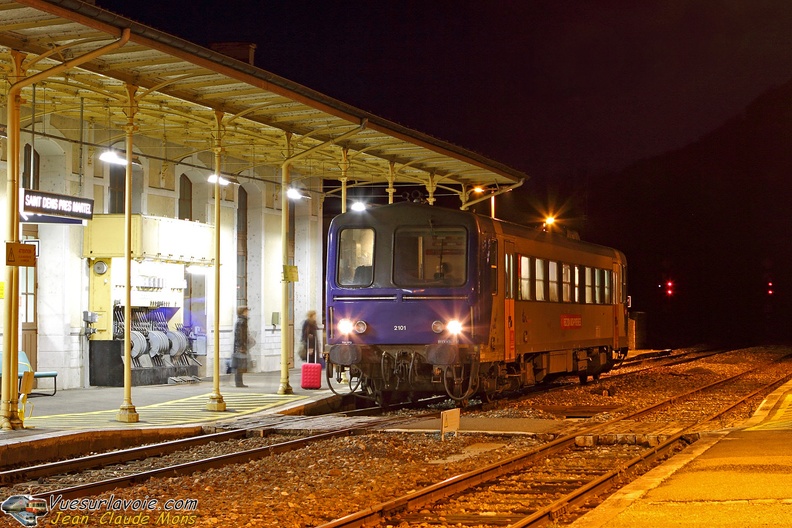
point(608, 287)
point(525, 278)
point(577, 284)
point(566, 283)
point(552, 281)
point(540, 280)
point(355, 257)
point(598, 286)
point(589, 280)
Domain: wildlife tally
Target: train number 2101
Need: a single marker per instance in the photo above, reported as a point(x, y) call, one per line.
point(399, 328)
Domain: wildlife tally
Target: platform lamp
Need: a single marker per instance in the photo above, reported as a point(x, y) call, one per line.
point(213, 178)
point(110, 155)
point(297, 192)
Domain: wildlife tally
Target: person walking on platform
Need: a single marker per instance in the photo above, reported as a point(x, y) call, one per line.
point(308, 337)
point(239, 360)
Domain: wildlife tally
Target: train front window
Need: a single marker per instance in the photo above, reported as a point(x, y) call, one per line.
point(355, 257)
point(428, 256)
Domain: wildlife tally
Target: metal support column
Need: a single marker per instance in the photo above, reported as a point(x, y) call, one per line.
point(10, 393)
point(216, 402)
point(286, 341)
point(127, 412)
point(391, 180)
point(344, 178)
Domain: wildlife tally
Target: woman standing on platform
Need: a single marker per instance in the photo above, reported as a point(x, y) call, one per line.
point(308, 338)
point(240, 358)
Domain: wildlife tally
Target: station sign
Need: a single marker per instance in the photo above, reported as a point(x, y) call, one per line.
point(43, 203)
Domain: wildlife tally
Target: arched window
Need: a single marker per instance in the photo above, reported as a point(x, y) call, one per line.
point(30, 168)
point(185, 198)
point(117, 189)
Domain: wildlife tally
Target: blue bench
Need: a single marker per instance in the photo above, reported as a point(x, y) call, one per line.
point(24, 366)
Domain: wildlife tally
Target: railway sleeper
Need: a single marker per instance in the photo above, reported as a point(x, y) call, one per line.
point(642, 439)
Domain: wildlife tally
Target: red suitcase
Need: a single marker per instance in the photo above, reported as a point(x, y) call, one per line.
point(311, 372)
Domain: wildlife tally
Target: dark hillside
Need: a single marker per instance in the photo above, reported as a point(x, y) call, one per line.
point(715, 218)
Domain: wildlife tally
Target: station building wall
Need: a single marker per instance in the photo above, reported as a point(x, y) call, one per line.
point(63, 273)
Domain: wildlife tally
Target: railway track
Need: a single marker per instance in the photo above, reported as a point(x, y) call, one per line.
point(652, 362)
point(238, 430)
point(549, 481)
point(274, 427)
point(665, 358)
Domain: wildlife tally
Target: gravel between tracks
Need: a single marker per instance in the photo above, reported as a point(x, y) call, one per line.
point(342, 476)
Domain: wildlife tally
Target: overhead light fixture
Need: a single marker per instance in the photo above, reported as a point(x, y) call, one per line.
point(112, 157)
point(295, 194)
point(213, 179)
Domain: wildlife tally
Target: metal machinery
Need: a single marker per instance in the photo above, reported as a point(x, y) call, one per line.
point(168, 304)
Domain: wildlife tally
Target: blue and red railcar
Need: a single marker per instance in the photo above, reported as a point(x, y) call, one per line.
point(423, 300)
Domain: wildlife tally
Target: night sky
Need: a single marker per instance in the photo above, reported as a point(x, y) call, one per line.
point(543, 86)
point(576, 94)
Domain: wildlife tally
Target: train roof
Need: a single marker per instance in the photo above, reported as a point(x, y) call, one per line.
point(412, 213)
point(557, 239)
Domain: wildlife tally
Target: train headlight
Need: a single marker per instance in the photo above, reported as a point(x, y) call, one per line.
point(345, 326)
point(454, 327)
point(360, 327)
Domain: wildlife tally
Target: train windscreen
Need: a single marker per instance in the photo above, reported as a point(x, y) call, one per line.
point(424, 256)
point(355, 257)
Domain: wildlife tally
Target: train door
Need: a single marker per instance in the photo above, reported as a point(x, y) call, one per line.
point(508, 296)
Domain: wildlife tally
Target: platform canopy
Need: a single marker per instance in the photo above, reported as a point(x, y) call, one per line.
point(188, 97)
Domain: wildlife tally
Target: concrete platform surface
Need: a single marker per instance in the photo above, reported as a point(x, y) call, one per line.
point(740, 477)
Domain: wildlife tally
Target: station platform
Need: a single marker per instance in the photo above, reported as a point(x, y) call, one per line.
point(74, 416)
point(739, 477)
